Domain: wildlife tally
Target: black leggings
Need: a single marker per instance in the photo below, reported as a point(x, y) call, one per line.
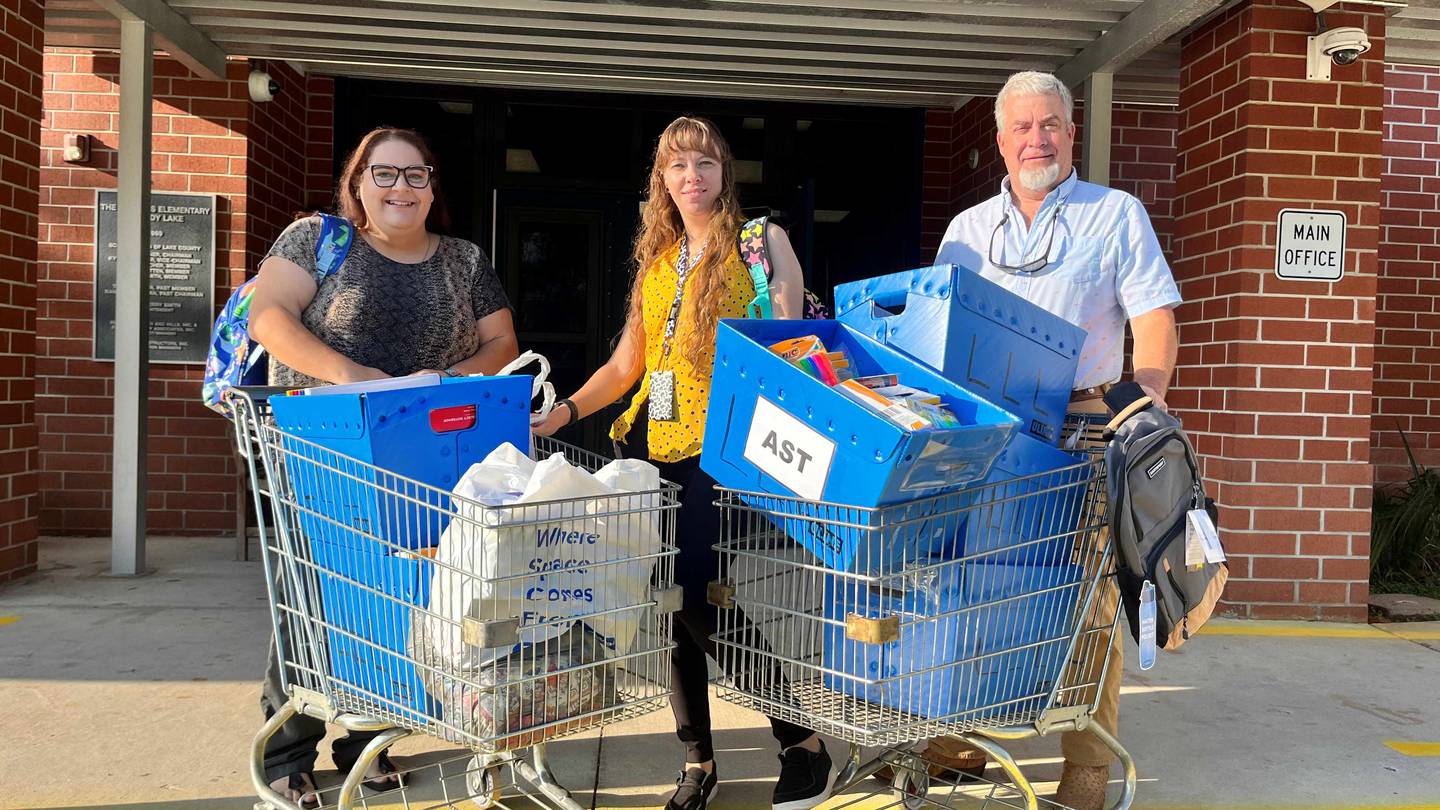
point(697, 529)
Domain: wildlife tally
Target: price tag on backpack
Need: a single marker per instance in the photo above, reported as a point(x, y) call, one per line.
point(1147, 625)
point(1200, 532)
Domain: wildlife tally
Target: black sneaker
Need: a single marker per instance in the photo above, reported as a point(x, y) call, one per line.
point(693, 790)
point(805, 779)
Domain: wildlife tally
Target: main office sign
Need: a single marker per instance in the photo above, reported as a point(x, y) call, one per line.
point(182, 276)
point(1310, 245)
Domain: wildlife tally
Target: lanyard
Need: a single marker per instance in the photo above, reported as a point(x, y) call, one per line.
point(682, 273)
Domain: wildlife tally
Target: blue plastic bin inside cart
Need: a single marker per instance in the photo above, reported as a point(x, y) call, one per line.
point(431, 434)
point(1028, 509)
point(367, 600)
point(773, 428)
point(975, 637)
point(995, 343)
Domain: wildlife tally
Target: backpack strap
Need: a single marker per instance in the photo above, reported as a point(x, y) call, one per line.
point(755, 253)
point(333, 245)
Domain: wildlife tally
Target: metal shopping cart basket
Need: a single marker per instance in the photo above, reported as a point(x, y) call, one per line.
point(984, 614)
point(401, 608)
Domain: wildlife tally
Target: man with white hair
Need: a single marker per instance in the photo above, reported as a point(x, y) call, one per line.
point(1089, 255)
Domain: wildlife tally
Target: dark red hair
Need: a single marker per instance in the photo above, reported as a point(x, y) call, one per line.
point(348, 191)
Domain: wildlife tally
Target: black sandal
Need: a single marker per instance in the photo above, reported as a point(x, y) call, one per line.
point(303, 782)
point(390, 777)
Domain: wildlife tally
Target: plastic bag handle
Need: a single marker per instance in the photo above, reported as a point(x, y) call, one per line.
point(540, 387)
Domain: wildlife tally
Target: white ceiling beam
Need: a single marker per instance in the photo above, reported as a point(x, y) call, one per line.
point(1105, 12)
point(845, 72)
point(187, 44)
point(525, 46)
point(984, 25)
point(1142, 29)
point(799, 89)
point(267, 14)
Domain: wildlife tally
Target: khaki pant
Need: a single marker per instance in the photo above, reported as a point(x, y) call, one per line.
point(1082, 747)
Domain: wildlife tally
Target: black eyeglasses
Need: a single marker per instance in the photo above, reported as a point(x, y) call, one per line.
point(386, 176)
point(1034, 265)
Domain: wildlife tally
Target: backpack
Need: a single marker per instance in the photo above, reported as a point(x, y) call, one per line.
point(755, 253)
point(1153, 483)
point(234, 359)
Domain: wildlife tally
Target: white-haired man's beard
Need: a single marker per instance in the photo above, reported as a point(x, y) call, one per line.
point(1041, 178)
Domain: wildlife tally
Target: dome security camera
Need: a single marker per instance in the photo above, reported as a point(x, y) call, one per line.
point(1341, 46)
point(262, 87)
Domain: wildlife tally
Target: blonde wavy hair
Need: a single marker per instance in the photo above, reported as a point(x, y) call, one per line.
point(661, 227)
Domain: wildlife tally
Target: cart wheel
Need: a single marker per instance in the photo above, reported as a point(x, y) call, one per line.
point(911, 787)
point(484, 786)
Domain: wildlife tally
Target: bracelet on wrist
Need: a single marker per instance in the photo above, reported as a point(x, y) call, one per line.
point(574, 411)
point(451, 372)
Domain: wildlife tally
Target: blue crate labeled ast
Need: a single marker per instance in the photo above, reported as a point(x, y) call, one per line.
point(976, 333)
point(975, 638)
point(770, 427)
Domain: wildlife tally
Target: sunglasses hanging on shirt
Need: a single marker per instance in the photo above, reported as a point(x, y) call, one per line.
point(1034, 265)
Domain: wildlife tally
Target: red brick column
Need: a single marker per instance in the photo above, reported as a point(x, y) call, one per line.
point(1407, 317)
point(209, 137)
point(1275, 377)
point(21, 41)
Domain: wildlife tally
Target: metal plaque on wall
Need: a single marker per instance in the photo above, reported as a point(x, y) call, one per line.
point(182, 276)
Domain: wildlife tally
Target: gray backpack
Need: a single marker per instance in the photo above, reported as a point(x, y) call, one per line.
point(1153, 482)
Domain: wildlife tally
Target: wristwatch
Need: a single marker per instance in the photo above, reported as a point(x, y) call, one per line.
point(574, 411)
point(451, 372)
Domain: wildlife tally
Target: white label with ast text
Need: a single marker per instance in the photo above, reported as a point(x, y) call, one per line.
point(788, 450)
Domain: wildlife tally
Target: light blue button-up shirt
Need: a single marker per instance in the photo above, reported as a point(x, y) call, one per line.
point(1105, 263)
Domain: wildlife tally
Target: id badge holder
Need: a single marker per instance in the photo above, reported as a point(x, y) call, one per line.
point(662, 396)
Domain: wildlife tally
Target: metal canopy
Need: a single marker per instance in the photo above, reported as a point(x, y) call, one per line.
point(1412, 35)
point(896, 52)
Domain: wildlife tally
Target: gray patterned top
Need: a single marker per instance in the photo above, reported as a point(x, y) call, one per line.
point(396, 317)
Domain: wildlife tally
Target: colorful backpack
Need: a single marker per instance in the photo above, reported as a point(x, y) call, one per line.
point(755, 253)
point(234, 359)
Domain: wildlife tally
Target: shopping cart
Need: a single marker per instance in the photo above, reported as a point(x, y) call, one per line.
point(565, 630)
point(984, 614)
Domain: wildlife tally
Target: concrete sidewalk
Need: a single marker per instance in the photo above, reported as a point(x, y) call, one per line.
point(143, 693)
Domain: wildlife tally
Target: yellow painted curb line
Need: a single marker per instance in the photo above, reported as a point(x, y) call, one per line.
point(4, 620)
point(1313, 630)
point(1415, 749)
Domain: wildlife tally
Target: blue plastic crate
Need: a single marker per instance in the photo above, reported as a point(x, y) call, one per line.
point(1005, 652)
point(431, 434)
point(1028, 509)
point(993, 342)
point(773, 428)
point(367, 601)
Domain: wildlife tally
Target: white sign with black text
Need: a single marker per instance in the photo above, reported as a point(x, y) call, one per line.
point(1310, 245)
point(789, 450)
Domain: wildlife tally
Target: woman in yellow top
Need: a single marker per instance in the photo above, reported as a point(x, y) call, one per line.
point(689, 276)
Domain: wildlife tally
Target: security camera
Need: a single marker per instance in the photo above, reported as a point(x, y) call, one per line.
point(1342, 46)
point(262, 87)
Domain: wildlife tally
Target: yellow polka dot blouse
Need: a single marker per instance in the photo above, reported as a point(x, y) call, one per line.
point(673, 441)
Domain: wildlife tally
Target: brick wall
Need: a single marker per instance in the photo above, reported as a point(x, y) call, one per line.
point(1407, 317)
point(1275, 377)
point(288, 174)
point(1142, 162)
point(207, 134)
point(21, 40)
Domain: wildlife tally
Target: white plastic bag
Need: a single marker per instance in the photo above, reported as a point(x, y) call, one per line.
point(546, 544)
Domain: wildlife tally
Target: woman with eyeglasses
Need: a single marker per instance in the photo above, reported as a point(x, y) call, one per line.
point(406, 299)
